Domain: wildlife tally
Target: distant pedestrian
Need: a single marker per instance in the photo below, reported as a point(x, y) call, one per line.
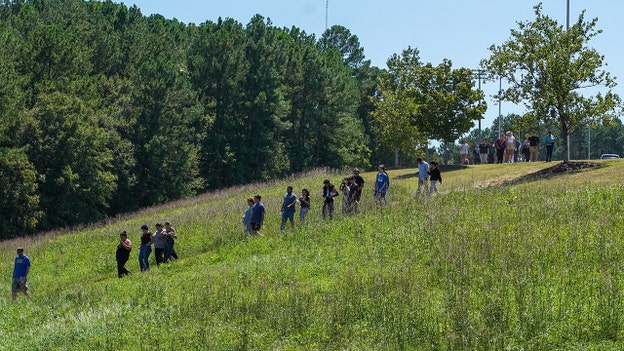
point(146, 248)
point(525, 149)
point(357, 178)
point(491, 153)
point(160, 243)
point(435, 177)
point(549, 143)
point(304, 200)
point(288, 208)
point(510, 146)
point(500, 144)
point(20, 273)
point(257, 216)
point(423, 175)
point(329, 193)
point(346, 195)
point(463, 152)
point(382, 183)
point(484, 150)
point(122, 255)
point(247, 216)
point(172, 235)
point(534, 143)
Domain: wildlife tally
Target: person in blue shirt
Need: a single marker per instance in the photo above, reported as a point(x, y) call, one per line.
point(247, 216)
point(382, 182)
point(549, 142)
point(257, 216)
point(20, 273)
point(288, 208)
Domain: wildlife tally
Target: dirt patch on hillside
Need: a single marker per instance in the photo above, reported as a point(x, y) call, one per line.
point(555, 170)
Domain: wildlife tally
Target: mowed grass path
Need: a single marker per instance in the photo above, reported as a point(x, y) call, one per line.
point(496, 261)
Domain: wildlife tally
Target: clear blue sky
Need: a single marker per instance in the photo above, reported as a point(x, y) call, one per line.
point(458, 30)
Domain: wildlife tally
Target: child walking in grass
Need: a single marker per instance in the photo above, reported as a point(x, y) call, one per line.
point(434, 177)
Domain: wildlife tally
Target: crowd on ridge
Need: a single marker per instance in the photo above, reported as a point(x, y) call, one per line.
point(508, 149)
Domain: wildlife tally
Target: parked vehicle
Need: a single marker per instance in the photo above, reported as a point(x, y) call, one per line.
point(609, 156)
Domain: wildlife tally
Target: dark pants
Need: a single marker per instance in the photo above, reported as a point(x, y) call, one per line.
point(170, 252)
point(160, 255)
point(121, 269)
point(499, 155)
point(288, 216)
point(549, 150)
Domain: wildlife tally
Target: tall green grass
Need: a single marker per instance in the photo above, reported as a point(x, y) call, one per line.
point(496, 261)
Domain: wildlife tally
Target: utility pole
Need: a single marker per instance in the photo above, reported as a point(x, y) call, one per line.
point(500, 115)
point(480, 75)
point(568, 27)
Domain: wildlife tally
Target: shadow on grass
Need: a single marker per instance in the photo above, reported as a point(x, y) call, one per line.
point(443, 169)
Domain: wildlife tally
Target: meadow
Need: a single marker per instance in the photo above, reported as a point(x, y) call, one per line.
point(498, 260)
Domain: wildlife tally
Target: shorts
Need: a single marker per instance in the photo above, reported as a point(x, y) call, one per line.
point(19, 284)
point(256, 226)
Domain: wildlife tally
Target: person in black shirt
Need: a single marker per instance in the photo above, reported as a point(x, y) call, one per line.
point(434, 177)
point(123, 254)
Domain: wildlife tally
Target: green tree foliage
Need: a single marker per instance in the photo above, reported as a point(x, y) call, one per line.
point(548, 67)
point(105, 110)
point(340, 38)
point(18, 194)
point(75, 183)
point(418, 102)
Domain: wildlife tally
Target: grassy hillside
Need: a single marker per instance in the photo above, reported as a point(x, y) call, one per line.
point(497, 261)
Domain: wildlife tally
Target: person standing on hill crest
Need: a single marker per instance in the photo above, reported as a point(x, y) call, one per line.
point(20, 274)
point(484, 151)
point(463, 152)
point(257, 216)
point(500, 144)
point(289, 208)
point(549, 143)
point(534, 147)
point(123, 254)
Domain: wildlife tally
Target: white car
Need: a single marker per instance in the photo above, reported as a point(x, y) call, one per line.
point(609, 156)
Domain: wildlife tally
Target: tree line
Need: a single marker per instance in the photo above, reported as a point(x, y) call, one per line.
point(105, 110)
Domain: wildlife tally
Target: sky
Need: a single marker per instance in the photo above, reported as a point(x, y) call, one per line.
point(458, 30)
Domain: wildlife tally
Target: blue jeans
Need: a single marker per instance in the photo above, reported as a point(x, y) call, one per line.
point(144, 252)
point(288, 216)
point(170, 251)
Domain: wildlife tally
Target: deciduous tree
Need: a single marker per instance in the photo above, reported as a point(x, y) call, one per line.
point(550, 69)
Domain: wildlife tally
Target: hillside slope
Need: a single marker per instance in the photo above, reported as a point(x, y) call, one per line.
point(497, 260)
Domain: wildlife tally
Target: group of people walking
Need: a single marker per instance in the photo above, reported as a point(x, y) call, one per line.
point(509, 149)
point(351, 188)
point(163, 242)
